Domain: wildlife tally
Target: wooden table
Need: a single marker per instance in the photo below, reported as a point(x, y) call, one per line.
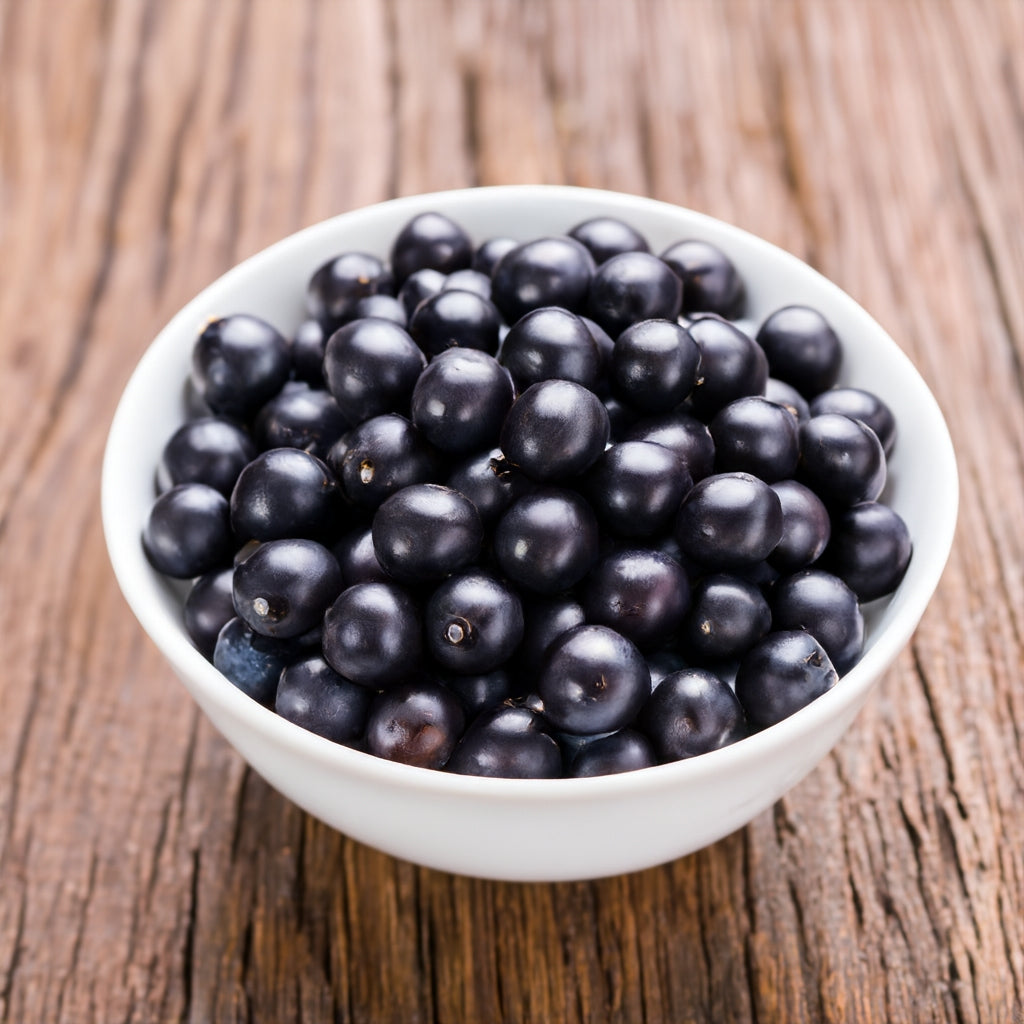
point(145, 147)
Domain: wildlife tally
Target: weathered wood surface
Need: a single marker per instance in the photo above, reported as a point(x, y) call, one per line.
point(145, 874)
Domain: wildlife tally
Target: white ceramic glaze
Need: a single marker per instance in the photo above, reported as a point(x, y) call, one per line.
point(529, 830)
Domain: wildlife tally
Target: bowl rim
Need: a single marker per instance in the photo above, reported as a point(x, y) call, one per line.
point(139, 583)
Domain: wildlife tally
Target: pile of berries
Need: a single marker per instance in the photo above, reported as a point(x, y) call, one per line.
point(528, 509)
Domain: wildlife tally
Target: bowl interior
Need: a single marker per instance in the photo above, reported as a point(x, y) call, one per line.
point(922, 487)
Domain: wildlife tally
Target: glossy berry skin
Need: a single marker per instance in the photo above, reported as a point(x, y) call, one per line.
point(284, 587)
point(382, 307)
point(508, 742)
point(729, 520)
point(487, 254)
point(300, 417)
point(824, 606)
point(859, 405)
point(622, 751)
point(841, 460)
point(307, 351)
point(425, 532)
point(473, 623)
point(654, 365)
point(631, 287)
point(549, 343)
point(312, 695)
point(455, 317)
point(870, 549)
point(357, 559)
point(711, 283)
point(781, 675)
point(285, 492)
point(545, 621)
point(593, 681)
point(554, 271)
point(636, 487)
point(209, 451)
point(482, 691)
point(371, 367)
point(732, 365)
point(691, 712)
point(430, 241)
point(208, 607)
point(469, 280)
point(806, 527)
point(418, 287)
point(753, 435)
point(555, 430)
point(641, 594)
point(252, 662)
point(337, 286)
point(372, 634)
point(802, 349)
point(187, 531)
point(606, 237)
point(727, 617)
point(781, 393)
point(460, 401)
point(379, 457)
point(547, 541)
point(238, 363)
point(684, 435)
point(417, 723)
point(489, 482)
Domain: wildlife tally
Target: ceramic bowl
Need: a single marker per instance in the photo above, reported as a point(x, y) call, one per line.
point(529, 830)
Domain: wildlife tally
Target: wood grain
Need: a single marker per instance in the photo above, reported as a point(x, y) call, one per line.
point(145, 874)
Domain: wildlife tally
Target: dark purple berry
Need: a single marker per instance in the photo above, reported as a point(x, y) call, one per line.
point(417, 723)
point(824, 606)
point(654, 365)
point(460, 401)
point(373, 635)
point(622, 751)
point(555, 430)
point(691, 712)
point(430, 241)
point(473, 623)
point(781, 675)
point(841, 459)
point(187, 531)
point(508, 742)
point(729, 520)
point(631, 287)
point(455, 318)
point(547, 541)
point(641, 594)
point(549, 343)
point(802, 349)
point(711, 283)
point(606, 237)
point(238, 363)
point(371, 367)
point(312, 695)
point(593, 680)
point(284, 587)
point(553, 271)
point(209, 451)
point(337, 286)
point(870, 549)
point(425, 532)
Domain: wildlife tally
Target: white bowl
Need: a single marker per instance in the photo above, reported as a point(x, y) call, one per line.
point(529, 830)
